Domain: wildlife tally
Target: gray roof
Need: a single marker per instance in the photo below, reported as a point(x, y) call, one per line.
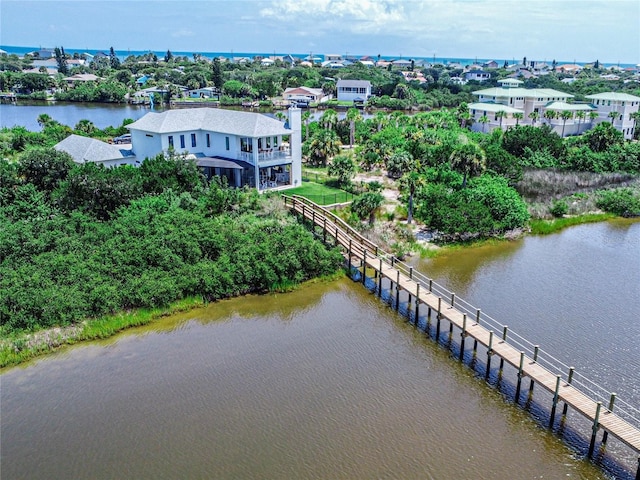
point(83, 149)
point(354, 83)
point(218, 120)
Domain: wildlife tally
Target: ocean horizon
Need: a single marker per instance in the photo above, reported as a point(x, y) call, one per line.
point(122, 54)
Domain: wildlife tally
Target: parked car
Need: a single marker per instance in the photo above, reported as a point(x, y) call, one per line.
point(126, 138)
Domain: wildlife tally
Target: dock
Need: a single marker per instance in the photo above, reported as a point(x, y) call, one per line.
point(604, 411)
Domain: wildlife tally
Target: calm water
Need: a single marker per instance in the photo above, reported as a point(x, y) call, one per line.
point(328, 382)
point(102, 115)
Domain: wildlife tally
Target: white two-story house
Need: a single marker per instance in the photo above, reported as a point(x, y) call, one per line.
point(247, 148)
point(624, 106)
point(353, 90)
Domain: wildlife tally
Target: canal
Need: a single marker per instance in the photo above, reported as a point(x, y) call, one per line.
point(329, 382)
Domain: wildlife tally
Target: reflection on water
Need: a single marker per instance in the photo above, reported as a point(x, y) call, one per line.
point(324, 382)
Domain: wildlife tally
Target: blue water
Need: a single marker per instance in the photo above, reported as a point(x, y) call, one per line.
point(122, 54)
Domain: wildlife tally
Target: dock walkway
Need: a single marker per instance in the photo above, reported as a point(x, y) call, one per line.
point(529, 360)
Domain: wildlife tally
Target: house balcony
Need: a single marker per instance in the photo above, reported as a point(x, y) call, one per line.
point(267, 155)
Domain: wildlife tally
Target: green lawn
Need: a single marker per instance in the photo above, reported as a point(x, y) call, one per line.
point(320, 194)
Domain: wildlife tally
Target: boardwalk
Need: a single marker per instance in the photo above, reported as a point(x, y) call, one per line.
point(620, 422)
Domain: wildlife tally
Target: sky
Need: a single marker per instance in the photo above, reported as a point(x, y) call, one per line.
point(562, 30)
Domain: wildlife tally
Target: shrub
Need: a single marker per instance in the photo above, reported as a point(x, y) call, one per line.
point(624, 202)
point(559, 208)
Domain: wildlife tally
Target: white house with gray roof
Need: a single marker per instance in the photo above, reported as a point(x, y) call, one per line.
point(248, 148)
point(84, 150)
point(623, 104)
point(353, 90)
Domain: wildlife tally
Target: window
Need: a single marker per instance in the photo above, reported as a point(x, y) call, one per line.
point(209, 141)
point(226, 142)
point(171, 141)
point(149, 135)
point(193, 140)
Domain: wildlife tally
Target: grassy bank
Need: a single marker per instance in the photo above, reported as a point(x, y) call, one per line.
point(20, 347)
point(545, 227)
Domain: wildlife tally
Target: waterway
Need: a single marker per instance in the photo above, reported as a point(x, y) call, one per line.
point(329, 382)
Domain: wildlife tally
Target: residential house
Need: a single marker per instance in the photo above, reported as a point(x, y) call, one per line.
point(477, 75)
point(624, 106)
point(245, 147)
point(512, 99)
point(490, 64)
point(402, 63)
point(353, 90)
point(267, 62)
point(332, 57)
point(307, 94)
point(90, 150)
point(44, 53)
point(569, 68)
point(81, 78)
point(142, 80)
point(205, 92)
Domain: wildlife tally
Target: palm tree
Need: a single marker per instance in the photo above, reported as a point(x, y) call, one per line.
point(410, 183)
point(469, 159)
point(44, 119)
point(612, 115)
point(381, 119)
point(324, 144)
point(593, 115)
point(501, 114)
point(518, 116)
point(534, 116)
point(280, 116)
point(483, 120)
point(581, 114)
point(565, 115)
point(85, 126)
point(550, 115)
point(353, 115)
point(329, 119)
point(306, 116)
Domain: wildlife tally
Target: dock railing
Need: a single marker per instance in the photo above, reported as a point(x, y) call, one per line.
point(353, 242)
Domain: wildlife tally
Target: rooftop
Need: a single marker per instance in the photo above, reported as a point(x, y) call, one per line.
point(233, 122)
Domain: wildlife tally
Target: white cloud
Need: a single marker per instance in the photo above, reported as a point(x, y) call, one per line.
point(183, 32)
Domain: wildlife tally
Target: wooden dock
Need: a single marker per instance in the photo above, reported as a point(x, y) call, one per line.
point(363, 256)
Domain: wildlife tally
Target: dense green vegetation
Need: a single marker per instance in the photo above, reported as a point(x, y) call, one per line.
point(467, 184)
point(80, 241)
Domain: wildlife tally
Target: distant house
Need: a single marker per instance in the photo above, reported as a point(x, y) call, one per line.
point(90, 150)
point(458, 81)
point(477, 75)
point(267, 62)
point(289, 59)
point(332, 57)
point(205, 92)
point(624, 106)
point(401, 63)
point(44, 53)
point(142, 80)
point(245, 147)
point(569, 68)
point(81, 78)
point(308, 94)
point(490, 64)
point(353, 90)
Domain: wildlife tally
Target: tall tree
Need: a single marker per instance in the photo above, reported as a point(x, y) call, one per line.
point(483, 120)
point(613, 115)
point(61, 60)
point(409, 183)
point(306, 117)
point(501, 114)
point(216, 73)
point(329, 119)
point(168, 56)
point(565, 115)
point(581, 114)
point(113, 59)
point(353, 115)
point(534, 116)
point(469, 159)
